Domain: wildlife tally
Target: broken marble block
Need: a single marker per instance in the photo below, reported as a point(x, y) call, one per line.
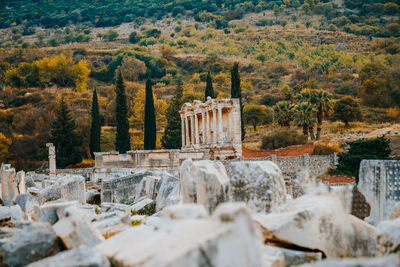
point(169, 191)
point(8, 186)
point(11, 214)
point(27, 202)
point(111, 223)
point(205, 179)
point(388, 237)
point(66, 187)
point(389, 261)
point(295, 257)
point(51, 211)
point(185, 211)
point(74, 229)
point(74, 257)
point(319, 222)
point(258, 183)
point(272, 257)
point(130, 188)
point(228, 238)
point(30, 243)
point(109, 207)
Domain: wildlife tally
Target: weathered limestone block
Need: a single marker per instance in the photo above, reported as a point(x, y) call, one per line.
point(228, 238)
point(169, 191)
point(395, 212)
point(12, 213)
point(75, 257)
point(75, 230)
point(130, 188)
point(30, 243)
point(110, 207)
point(51, 211)
point(27, 202)
point(66, 187)
point(90, 211)
point(8, 185)
point(296, 257)
point(390, 261)
point(319, 222)
point(258, 183)
point(272, 257)
point(185, 211)
point(388, 237)
point(111, 223)
point(21, 182)
point(210, 180)
point(93, 197)
point(379, 182)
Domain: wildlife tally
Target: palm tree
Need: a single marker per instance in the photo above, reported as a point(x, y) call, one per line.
point(283, 113)
point(322, 102)
point(304, 116)
point(324, 107)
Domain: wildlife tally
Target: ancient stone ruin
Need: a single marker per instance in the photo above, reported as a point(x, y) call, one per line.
point(187, 208)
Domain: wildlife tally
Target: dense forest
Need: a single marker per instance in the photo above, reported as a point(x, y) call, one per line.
point(53, 49)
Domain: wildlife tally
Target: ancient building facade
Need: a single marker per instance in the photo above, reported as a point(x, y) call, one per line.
point(213, 125)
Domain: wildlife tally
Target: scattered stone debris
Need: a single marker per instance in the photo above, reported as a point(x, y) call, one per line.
point(162, 218)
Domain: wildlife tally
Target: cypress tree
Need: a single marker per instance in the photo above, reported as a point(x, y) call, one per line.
point(172, 138)
point(122, 139)
point(150, 131)
point(95, 128)
point(65, 138)
point(209, 88)
point(236, 92)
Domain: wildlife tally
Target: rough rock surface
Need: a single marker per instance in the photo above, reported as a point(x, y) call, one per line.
point(75, 257)
point(388, 237)
point(75, 230)
point(8, 185)
point(185, 211)
point(13, 213)
point(258, 183)
point(210, 180)
point(32, 242)
point(319, 222)
point(50, 212)
point(111, 223)
point(391, 261)
point(191, 242)
point(27, 202)
point(296, 257)
point(141, 205)
point(130, 188)
point(272, 257)
point(169, 191)
point(67, 187)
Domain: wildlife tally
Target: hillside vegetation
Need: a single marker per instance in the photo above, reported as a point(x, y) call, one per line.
point(346, 48)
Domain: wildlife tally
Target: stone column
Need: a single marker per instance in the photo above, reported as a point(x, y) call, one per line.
point(214, 120)
point(220, 129)
point(196, 130)
point(231, 125)
point(187, 143)
point(203, 129)
point(183, 131)
point(52, 159)
point(192, 130)
point(207, 127)
point(8, 186)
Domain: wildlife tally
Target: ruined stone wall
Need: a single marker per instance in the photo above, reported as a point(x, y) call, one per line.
point(379, 182)
point(291, 166)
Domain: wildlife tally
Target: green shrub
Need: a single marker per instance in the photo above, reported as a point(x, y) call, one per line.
point(349, 162)
point(283, 138)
